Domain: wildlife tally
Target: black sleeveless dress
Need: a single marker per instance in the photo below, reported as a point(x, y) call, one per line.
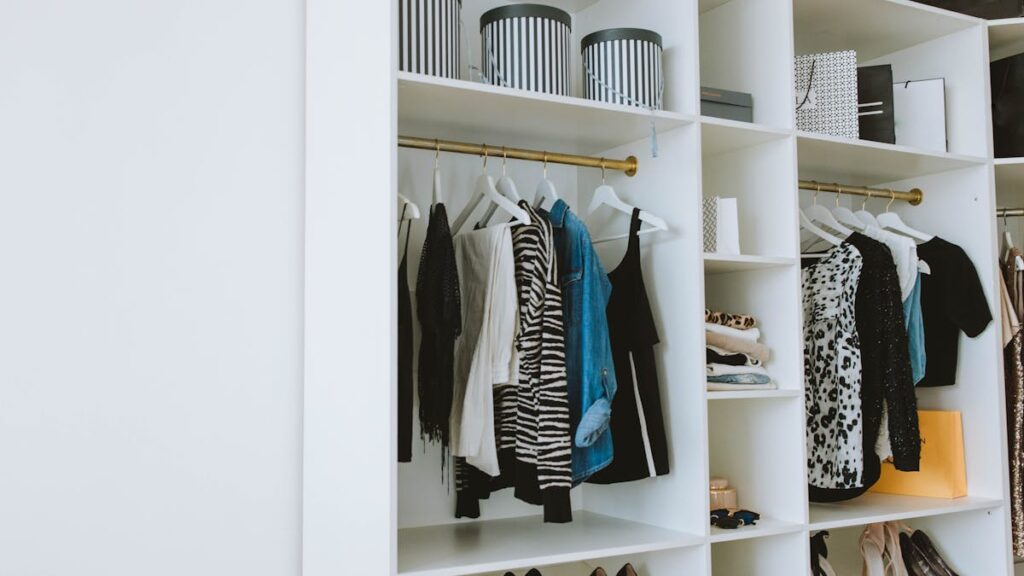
point(638, 428)
point(404, 353)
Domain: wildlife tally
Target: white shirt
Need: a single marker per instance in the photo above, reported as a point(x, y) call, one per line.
point(485, 352)
point(904, 254)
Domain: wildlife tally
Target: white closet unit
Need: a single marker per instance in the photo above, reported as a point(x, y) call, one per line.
point(755, 439)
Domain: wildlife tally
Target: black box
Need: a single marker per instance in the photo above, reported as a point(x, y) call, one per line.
point(875, 105)
point(1007, 109)
point(990, 9)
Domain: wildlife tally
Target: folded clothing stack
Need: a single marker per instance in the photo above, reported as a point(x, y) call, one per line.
point(735, 357)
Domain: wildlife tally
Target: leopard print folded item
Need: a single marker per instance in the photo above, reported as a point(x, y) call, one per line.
point(738, 321)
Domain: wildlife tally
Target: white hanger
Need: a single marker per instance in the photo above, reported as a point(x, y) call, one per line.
point(1008, 240)
point(892, 221)
point(412, 211)
point(437, 197)
point(811, 227)
point(605, 195)
point(846, 216)
point(866, 217)
point(485, 189)
point(820, 214)
point(506, 186)
point(545, 188)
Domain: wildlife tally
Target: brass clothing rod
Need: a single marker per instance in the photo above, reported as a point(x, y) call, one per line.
point(915, 196)
point(629, 165)
point(1009, 212)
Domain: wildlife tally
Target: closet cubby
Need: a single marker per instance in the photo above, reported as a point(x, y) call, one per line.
point(746, 46)
point(920, 42)
point(946, 532)
point(757, 445)
point(767, 556)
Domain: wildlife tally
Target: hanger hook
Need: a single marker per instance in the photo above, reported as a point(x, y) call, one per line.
point(485, 157)
point(504, 159)
point(892, 198)
point(602, 170)
point(817, 189)
point(545, 165)
point(839, 192)
point(864, 204)
point(437, 153)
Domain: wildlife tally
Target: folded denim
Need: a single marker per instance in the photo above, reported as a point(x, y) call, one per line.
point(752, 349)
point(753, 334)
point(740, 379)
point(721, 356)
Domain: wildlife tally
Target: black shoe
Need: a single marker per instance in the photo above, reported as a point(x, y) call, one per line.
point(924, 544)
point(533, 572)
point(598, 572)
point(914, 559)
point(627, 570)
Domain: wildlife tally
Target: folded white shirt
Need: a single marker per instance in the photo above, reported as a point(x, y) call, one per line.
point(726, 370)
point(752, 334)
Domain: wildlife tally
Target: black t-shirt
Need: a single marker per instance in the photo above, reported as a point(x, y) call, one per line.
point(951, 300)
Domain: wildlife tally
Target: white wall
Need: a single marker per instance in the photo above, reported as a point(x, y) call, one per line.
point(151, 213)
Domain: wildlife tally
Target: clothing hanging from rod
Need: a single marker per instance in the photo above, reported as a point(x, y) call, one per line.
point(439, 311)
point(405, 350)
point(1013, 365)
point(638, 427)
point(590, 369)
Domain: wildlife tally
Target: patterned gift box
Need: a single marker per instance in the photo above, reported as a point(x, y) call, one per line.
point(826, 94)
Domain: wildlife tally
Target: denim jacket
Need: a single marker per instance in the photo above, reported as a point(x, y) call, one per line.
point(588, 350)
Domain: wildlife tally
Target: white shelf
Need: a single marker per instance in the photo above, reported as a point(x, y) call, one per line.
point(752, 394)
point(764, 527)
point(1009, 175)
point(433, 107)
point(495, 545)
point(871, 27)
point(871, 508)
point(719, 135)
point(724, 263)
point(1005, 37)
point(705, 5)
point(864, 162)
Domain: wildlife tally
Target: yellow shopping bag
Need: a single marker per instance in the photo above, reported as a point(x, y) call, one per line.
point(943, 473)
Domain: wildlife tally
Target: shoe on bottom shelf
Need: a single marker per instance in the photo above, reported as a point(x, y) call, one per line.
point(627, 570)
point(924, 544)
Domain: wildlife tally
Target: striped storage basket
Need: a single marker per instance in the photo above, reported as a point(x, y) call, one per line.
point(623, 66)
point(428, 37)
point(527, 46)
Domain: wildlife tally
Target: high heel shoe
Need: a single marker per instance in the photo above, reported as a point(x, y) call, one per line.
point(598, 572)
point(914, 559)
point(533, 572)
point(872, 550)
point(924, 544)
point(627, 570)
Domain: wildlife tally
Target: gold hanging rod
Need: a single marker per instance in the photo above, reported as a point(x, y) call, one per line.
point(1009, 212)
point(629, 165)
point(915, 196)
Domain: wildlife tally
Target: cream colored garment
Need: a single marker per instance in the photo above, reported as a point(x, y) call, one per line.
point(485, 352)
point(751, 334)
point(904, 255)
point(748, 347)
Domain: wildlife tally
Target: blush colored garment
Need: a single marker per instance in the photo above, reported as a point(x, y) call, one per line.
point(485, 353)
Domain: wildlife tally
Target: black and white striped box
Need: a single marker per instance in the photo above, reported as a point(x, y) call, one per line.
point(623, 66)
point(428, 37)
point(527, 46)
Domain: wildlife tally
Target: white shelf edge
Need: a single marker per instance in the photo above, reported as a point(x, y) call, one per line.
point(554, 99)
point(968, 504)
point(884, 147)
point(749, 126)
point(752, 394)
point(765, 527)
point(940, 11)
point(669, 540)
point(1018, 161)
point(1005, 22)
point(726, 263)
